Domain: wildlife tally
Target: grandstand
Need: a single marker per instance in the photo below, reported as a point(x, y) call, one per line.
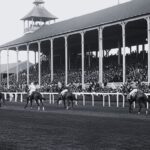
point(78, 50)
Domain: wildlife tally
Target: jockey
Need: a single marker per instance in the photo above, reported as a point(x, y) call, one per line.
point(132, 93)
point(59, 87)
point(37, 86)
point(32, 88)
point(66, 89)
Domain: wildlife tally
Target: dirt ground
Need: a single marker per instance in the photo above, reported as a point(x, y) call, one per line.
point(83, 128)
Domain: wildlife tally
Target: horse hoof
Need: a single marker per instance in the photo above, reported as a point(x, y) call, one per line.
point(139, 113)
point(146, 112)
point(38, 108)
point(43, 108)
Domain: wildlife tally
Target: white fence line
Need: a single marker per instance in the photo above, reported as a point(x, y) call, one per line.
point(14, 95)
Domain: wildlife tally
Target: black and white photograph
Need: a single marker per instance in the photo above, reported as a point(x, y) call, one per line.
point(75, 75)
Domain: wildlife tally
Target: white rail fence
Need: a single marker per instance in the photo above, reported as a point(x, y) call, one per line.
point(14, 96)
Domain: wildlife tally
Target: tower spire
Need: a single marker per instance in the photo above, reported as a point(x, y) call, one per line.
point(38, 2)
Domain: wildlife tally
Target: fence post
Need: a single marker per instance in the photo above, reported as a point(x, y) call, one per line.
point(10, 97)
point(109, 101)
point(16, 94)
point(76, 102)
point(147, 106)
point(133, 104)
point(21, 96)
point(92, 99)
point(50, 99)
point(53, 99)
point(123, 105)
point(117, 100)
point(5, 95)
point(76, 96)
point(83, 99)
point(103, 100)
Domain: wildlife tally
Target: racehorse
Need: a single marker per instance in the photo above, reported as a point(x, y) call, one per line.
point(68, 98)
point(35, 96)
point(140, 98)
point(2, 99)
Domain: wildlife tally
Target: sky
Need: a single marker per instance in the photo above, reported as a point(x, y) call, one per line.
point(11, 11)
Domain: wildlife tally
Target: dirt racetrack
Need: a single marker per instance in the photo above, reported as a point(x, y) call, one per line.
point(84, 128)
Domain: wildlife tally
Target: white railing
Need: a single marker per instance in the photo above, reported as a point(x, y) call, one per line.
point(14, 95)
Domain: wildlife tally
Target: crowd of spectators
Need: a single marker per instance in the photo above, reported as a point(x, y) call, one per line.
point(136, 71)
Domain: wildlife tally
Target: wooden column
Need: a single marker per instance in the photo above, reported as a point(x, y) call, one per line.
point(124, 50)
point(100, 33)
point(27, 64)
point(35, 57)
point(0, 67)
point(17, 63)
point(82, 53)
point(66, 60)
point(148, 35)
point(39, 62)
point(7, 68)
point(119, 53)
point(52, 61)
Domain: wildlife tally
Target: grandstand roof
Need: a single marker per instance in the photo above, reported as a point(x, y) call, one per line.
point(116, 13)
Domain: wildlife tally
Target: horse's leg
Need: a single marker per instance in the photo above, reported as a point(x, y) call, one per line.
point(76, 102)
point(3, 99)
point(68, 103)
point(67, 107)
point(37, 102)
point(140, 107)
point(31, 102)
point(145, 104)
point(59, 98)
point(72, 103)
point(130, 107)
point(64, 100)
point(41, 101)
point(27, 103)
point(57, 102)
